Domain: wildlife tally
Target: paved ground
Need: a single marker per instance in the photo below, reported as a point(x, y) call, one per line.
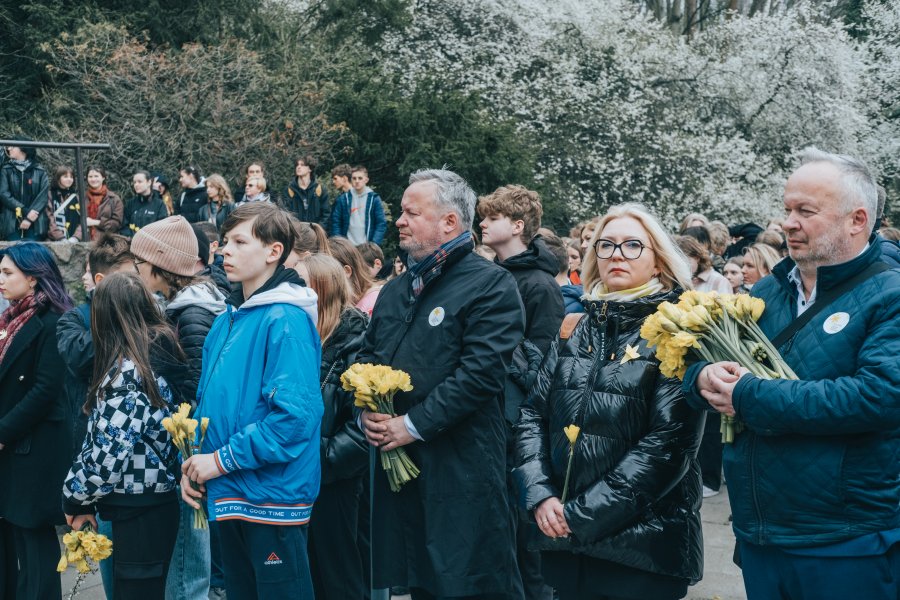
point(721, 579)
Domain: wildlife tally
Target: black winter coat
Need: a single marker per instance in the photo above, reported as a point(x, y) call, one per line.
point(634, 493)
point(307, 204)
point(191, 313)
point(28, 190)
point(76, 350)
point(210, 209)
point(140, 211)
point(190, 202)
point(345, 452)
point(450, 530)
point(35, 426)
point(535, 272)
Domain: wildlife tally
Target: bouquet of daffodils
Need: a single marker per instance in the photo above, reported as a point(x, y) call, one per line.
point(713, 327)
point(374, 387)
point(81, 547)
point(183, 430)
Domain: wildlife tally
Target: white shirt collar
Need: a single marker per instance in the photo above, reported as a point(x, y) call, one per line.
point(794, 277)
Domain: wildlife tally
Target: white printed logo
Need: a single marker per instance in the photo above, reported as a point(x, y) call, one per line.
point(836, 322)
point(436, 317)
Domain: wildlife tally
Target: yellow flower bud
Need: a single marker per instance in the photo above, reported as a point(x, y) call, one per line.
point(572, 432)
point(62, 565)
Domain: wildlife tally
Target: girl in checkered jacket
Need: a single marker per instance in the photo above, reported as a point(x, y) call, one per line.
point(128, 468)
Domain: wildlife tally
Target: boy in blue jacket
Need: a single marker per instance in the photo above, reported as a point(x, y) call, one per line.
point(260, 389)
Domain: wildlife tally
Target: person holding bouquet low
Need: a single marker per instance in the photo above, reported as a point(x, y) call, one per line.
point(606, 445)
point(128, 467)
point(259, 463)
point(35, 422)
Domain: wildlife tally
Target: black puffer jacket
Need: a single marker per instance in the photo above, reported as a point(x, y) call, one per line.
point(634, 493)
point(28, 190)
point(344, 449)
point(192, 312)
point(190, 203)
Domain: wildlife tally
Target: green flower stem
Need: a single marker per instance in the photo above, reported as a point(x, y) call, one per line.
point(568, 473)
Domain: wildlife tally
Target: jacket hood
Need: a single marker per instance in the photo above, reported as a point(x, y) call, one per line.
point(205, 295)
point(537, 256)
point(284, 287)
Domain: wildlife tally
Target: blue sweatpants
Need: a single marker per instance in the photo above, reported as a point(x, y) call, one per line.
point(773, 574)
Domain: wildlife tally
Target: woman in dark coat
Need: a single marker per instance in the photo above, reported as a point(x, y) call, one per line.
point(630, 524)
point(24, 193)
point(35, 422)
point(338, 550)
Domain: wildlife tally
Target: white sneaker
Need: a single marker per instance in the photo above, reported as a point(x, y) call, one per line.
point(709, 492)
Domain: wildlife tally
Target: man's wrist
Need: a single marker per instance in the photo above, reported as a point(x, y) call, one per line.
point(412, 428)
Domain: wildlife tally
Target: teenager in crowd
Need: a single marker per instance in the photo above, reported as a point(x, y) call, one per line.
point(338, 554)
point(63, 209)
point(127, 468)
point(364, 288)
point(35, 421)
point(146, 207)
point(259, 465)
point(305, 197)
point(23, 196)
point(105, 210)
point(309, 239)
point(193, 194)
point(758, 261)
point(219, 204)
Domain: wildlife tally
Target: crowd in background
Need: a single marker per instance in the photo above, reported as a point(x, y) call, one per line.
point(249, 307)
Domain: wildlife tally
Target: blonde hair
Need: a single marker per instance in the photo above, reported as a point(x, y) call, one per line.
point(217, 181)
point(671, 262)
point(329, 281)
point(686, 222)
point(764, 257)
point(260, 182)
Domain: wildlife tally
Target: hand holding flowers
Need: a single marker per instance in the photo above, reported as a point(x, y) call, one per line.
point(719, 328)
point(184, 433)
point(374, 387)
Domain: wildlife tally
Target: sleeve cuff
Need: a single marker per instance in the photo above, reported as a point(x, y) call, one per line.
point(225, 461)
point(412, 428)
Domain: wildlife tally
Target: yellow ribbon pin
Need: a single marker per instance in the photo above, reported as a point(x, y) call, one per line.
point(631, 353)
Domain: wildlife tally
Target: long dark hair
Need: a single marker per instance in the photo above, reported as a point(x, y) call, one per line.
point(36, 261)
point(125, 323)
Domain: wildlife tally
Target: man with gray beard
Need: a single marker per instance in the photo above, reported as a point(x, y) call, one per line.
point(814, 477)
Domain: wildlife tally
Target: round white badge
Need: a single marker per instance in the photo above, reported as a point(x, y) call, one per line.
point(436, 317)
point(836, 322)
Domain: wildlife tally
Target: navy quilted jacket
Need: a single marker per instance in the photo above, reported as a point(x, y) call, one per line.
point(819, 461)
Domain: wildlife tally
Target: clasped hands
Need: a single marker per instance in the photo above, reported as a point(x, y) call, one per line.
point(716, 384)
point(384, 431)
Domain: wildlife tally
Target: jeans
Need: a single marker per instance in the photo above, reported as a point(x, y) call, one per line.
point(107, 566)
point(189, 570)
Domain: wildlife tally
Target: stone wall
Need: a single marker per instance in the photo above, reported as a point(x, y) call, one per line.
point(71, 259)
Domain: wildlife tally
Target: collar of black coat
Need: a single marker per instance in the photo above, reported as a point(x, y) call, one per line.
point(281, 275)
point(632, 312)
point(829, 276)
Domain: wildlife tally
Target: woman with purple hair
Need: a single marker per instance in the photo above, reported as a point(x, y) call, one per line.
point(35, 422)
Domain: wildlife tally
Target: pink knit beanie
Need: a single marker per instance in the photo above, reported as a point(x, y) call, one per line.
point(169, 244)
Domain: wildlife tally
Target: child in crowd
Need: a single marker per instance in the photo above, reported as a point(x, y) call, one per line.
point(128, 467)
point(259, 464)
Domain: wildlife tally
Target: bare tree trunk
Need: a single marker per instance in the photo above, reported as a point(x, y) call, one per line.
point(690, 17)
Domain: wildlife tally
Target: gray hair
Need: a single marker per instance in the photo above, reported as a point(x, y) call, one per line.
point(857, 181)
point(451, 192)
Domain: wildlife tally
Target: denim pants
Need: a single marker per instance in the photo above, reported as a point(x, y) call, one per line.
point(189, 571)
point(107, 566)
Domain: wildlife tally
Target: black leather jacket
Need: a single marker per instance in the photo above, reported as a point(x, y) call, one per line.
point(634, 492)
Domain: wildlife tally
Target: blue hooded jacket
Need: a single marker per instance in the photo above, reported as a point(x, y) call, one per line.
point(817, 463)
point(260, 390)
point(375, 223)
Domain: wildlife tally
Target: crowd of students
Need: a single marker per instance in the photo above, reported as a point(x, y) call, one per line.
point(250, 310)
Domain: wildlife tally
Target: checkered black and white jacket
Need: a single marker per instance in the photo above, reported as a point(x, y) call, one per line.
point(126, 450)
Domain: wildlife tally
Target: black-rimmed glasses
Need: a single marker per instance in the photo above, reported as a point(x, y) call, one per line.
point(630, 249)
point(137, 263)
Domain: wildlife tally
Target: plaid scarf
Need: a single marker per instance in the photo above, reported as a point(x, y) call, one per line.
point(430, 267)
point(14, 317)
